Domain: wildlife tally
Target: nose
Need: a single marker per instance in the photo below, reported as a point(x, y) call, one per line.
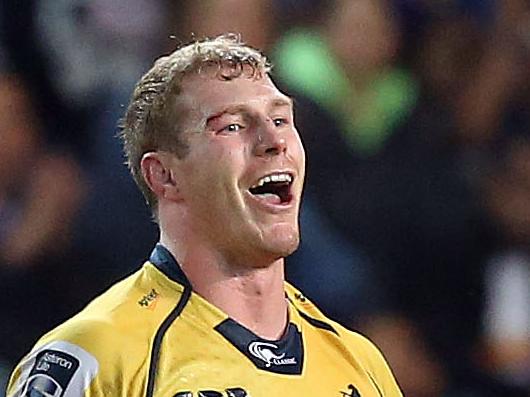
point(269, 140)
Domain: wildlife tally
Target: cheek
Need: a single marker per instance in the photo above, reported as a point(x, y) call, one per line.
point(215, 169)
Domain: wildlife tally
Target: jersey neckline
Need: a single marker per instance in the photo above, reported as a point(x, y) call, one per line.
point(282, 356)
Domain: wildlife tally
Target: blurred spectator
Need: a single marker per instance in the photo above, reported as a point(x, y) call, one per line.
point(382, 321)
point(40, 192)
point(63, 235)
point(72, 53)
point(347, 68)
point(39, 189)
point(494, 116)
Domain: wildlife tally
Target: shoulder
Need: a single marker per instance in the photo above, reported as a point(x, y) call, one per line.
point(102, 350)
point(361, 350)
point(311, 313)
point(353, 340)
point(83, 356)
point(77, 358)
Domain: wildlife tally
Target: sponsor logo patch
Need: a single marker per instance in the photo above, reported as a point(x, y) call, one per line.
point(149, 300)
point(50, 375)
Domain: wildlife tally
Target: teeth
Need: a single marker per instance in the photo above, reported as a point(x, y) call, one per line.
point(263, 181)
point(282, 177)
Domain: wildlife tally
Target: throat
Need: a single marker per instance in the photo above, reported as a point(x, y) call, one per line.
point(255, 300)
point(253, 296)
point(268, 322)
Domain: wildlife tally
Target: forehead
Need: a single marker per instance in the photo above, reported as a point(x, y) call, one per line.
point(206, 93)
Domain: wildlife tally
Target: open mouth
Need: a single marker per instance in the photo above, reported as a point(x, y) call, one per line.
point(275, 188)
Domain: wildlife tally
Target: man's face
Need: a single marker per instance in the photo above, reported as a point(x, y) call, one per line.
point(241, 181)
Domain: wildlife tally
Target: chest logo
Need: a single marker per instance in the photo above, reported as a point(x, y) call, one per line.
point(265, 352)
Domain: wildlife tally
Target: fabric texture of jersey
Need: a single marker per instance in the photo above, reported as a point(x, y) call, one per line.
point(151, 335)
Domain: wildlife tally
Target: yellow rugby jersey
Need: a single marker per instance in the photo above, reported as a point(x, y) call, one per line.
point(151, 335)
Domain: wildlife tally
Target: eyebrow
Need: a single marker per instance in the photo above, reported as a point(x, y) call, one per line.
point(281, 102)
point(243, 108)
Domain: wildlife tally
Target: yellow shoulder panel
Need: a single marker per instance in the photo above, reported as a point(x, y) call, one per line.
point(105, 349)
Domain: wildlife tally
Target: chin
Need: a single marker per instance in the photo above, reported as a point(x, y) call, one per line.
point(266, 245)
point(283, 241)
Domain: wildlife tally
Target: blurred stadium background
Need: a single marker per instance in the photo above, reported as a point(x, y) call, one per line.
point(416, 119)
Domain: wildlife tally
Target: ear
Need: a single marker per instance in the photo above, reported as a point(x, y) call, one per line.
point(159, 176)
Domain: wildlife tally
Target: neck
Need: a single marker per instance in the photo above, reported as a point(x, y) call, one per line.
point(252, 296)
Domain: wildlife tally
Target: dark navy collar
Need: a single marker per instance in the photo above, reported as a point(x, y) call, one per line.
point(283, 356)
point(167, 264)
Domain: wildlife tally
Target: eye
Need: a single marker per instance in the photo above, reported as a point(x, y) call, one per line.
point(234, 127)
point(280, 121)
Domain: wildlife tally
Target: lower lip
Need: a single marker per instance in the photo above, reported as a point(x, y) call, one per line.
point(272, 207)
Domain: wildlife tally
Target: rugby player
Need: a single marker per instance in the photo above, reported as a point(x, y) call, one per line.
point(212, 144)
